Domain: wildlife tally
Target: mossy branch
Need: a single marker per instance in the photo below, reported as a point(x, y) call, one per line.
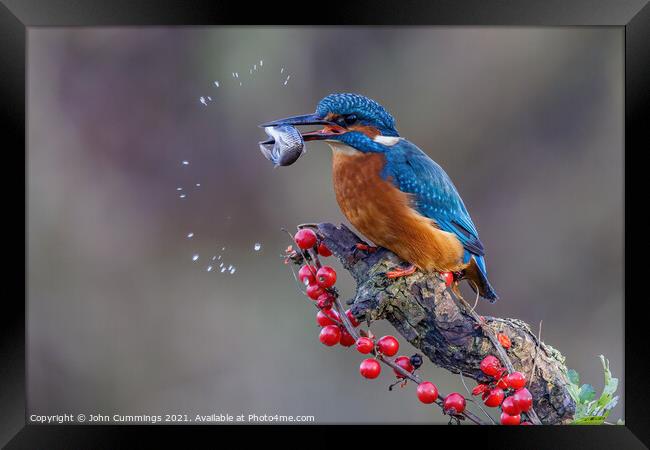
point(422, 310)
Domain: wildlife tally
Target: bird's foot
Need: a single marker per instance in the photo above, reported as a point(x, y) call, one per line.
point(366, 248)
point(401, 272)
point(361, 250)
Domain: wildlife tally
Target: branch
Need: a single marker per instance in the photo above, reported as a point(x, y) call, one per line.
point(422, 310)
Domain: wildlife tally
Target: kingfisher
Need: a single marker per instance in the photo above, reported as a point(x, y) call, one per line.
point(394, 193)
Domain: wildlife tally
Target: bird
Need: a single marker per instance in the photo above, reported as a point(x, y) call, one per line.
point(394, 193)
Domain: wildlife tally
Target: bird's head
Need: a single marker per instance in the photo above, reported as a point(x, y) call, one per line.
point(352, 119)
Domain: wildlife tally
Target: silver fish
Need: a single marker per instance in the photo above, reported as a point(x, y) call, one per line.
point(285, 146)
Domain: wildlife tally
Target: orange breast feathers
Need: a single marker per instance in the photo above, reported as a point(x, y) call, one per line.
point(384, 214)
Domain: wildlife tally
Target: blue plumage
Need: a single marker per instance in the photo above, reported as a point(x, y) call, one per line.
point(368, 111)
point(436, 197)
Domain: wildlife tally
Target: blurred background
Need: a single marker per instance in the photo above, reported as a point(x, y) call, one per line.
point(528, 122)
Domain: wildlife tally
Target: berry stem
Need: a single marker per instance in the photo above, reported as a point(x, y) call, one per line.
point(469, 397)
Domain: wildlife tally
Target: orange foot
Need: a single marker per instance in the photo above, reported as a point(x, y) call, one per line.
point(366, 248)
point(401, 272)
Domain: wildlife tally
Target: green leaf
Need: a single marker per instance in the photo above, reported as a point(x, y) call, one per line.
point(573, 376)
point(611, 384)
point(591, 411)
point(589, 420)
point(574, 391)
point(587, 393)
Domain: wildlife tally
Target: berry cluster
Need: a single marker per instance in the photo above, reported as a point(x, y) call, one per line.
point(319, 281)
point(506, 390)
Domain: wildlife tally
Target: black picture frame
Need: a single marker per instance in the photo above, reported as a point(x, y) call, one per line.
point(17, 15)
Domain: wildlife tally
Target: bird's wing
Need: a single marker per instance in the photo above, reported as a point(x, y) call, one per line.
point(434, 194)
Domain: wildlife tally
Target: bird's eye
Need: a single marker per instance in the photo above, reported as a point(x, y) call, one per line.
point(350, 119)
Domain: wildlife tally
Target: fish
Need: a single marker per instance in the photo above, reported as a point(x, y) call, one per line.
point(284, 147)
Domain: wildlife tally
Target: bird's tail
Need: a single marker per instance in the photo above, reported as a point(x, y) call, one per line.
point(477, 272)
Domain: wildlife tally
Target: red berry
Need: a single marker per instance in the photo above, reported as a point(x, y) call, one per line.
point(507, 419)
point(448, 277)
point(480, 388)
point(389, 346)
point(404, 362)
point(314, 291)
point(347, 340)
point(454, 404)
point(427, 392)
point(502, 383)
point(491, 366)
point(330, 335)
point(326, 277)
point(323, 250)
point(324, 318)
point(305, 238)
point(307, 274)
point(516, 380)
point(353, 320)
point(369, 368)
point(325, 301)
point(494, 398)
point(365, 345)
point(509, 406)
point(523, 399)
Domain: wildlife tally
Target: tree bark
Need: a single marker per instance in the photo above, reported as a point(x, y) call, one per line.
point(422, 310)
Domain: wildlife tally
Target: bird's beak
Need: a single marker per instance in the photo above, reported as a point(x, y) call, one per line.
point(330, 129)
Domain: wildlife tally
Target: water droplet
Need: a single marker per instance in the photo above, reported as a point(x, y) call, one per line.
point(221, 265)
point(195, 257)
point(240, 83)
point(261, 63)
point(282, 70)
point(254, 66)
point(209, 98)
point(213, 258)
point(216, 83)
point(232, 270)
point(257, 246)
point(202, 100)
point(223, 270)
point(223, 249)
point(198, 184)
point(179, 188)
point(208, 269)
point(190, 235)
point(230, 267)
point(182, 196)
point(185, 162)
